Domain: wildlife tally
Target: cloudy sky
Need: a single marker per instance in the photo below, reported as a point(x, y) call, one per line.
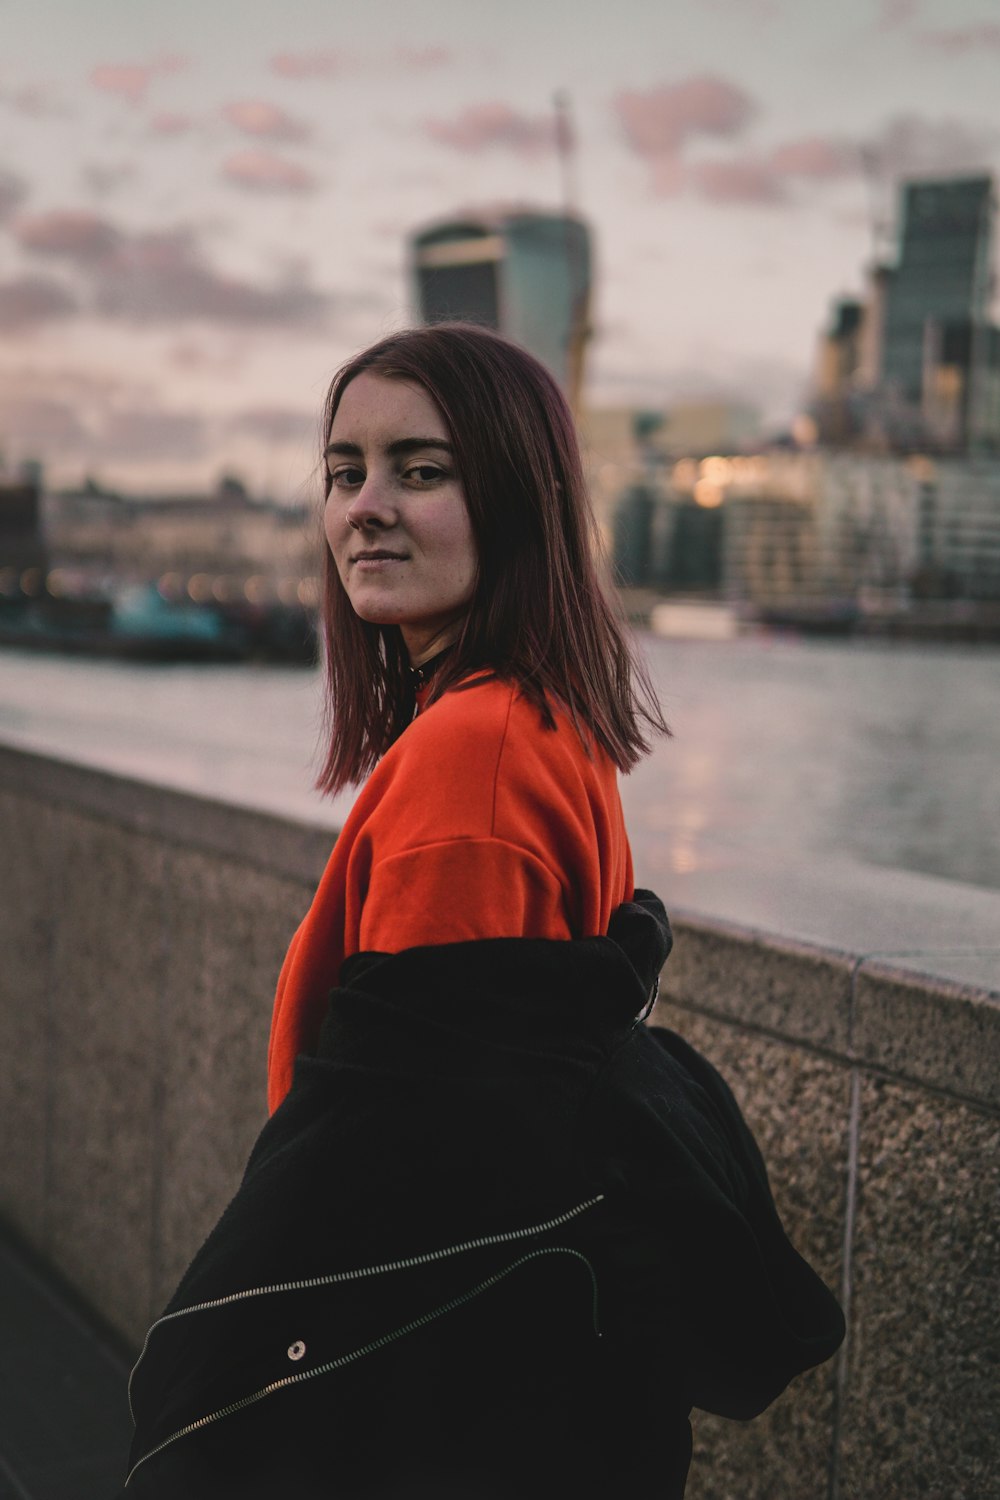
point(203, 206)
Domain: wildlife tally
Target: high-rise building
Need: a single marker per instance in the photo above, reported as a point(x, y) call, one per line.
point(525, 274)
point(838, 367)
point(871, 334)
point(941, 282)
point(917, 364)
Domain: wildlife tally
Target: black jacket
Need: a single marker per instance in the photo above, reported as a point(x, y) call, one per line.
point(494, 1202)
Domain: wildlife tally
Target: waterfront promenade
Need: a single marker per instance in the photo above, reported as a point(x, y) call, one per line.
point(861, 1032)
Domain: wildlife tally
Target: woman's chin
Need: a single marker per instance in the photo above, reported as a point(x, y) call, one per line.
point(374, 613)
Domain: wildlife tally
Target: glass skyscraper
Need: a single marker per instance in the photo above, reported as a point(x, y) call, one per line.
point(525, 274)
point(943, 277)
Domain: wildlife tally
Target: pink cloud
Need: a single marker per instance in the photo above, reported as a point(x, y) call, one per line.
point(660, 121)
point(159, 277)
point(164, 277)
point(744, 179)
point(132, 80)
point(28, 300)
point(265, 172)
point(306, 64)
point(761, 180)
point(668, 175)
point(425, 57)
point(265, 121)
point(76, 234)
point(984, 37)
point(815, 157)
point(168, 122)
point(483, 126)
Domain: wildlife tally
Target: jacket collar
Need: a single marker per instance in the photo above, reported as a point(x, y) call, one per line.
point(573, 999)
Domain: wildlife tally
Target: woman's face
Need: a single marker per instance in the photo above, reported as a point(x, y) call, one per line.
point(396, 519)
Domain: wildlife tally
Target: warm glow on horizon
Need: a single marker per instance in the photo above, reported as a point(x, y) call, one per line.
point(708, 494)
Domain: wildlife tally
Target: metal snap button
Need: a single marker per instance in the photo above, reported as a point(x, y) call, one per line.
point(296, 1350)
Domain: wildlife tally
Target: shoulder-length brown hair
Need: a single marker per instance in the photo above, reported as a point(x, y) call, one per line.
point(539, 615)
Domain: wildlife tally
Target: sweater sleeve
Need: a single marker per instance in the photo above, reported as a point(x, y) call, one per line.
point(483, 823)
point(456, 890)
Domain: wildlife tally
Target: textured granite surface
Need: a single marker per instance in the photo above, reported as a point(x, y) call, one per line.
point(229, 928)
point(797, 1105)
point(108, 964)
point(28, 839)
point(943, 1036)
point(799, 991)
point(136, 998)
point(921, 1410)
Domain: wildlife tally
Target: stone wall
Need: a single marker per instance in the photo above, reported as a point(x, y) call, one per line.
point(141, 932)
point(874, 1093)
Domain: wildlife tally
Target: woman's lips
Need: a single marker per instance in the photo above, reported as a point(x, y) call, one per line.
point(370, 562)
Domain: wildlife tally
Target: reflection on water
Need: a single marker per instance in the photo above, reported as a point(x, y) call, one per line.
point(795, 750)
point(683, 822)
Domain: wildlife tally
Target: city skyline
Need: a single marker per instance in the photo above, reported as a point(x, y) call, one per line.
point(202, 212)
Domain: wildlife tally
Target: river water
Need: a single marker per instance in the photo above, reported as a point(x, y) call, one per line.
point(881, 753)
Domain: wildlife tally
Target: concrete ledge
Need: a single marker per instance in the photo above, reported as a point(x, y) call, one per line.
point(280, 846)
point(944, 1035)
point(941, 929)
point(873, 1011)
point(798, 990)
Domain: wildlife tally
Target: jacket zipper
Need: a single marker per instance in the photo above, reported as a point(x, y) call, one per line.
point(386, 1338)
point(378, 1270)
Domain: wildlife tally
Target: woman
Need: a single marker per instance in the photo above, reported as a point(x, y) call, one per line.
point(497, 1237)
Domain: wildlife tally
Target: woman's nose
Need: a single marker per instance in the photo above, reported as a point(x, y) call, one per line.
point(371, 506)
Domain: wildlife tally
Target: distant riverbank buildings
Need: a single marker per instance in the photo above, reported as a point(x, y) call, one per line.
point(915, 365)
point(886, 497)
point(224, 548)
point(871, 502)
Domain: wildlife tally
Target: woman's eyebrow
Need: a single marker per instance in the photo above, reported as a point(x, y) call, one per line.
point(399, 448)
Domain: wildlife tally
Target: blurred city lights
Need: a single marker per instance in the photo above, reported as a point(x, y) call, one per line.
point(708, 494)
point(200, 588)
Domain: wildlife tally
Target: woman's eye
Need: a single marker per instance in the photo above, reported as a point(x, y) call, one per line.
point(347, 478)
point(424, 473)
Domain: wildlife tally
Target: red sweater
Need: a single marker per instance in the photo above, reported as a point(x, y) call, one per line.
point(477, 823)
